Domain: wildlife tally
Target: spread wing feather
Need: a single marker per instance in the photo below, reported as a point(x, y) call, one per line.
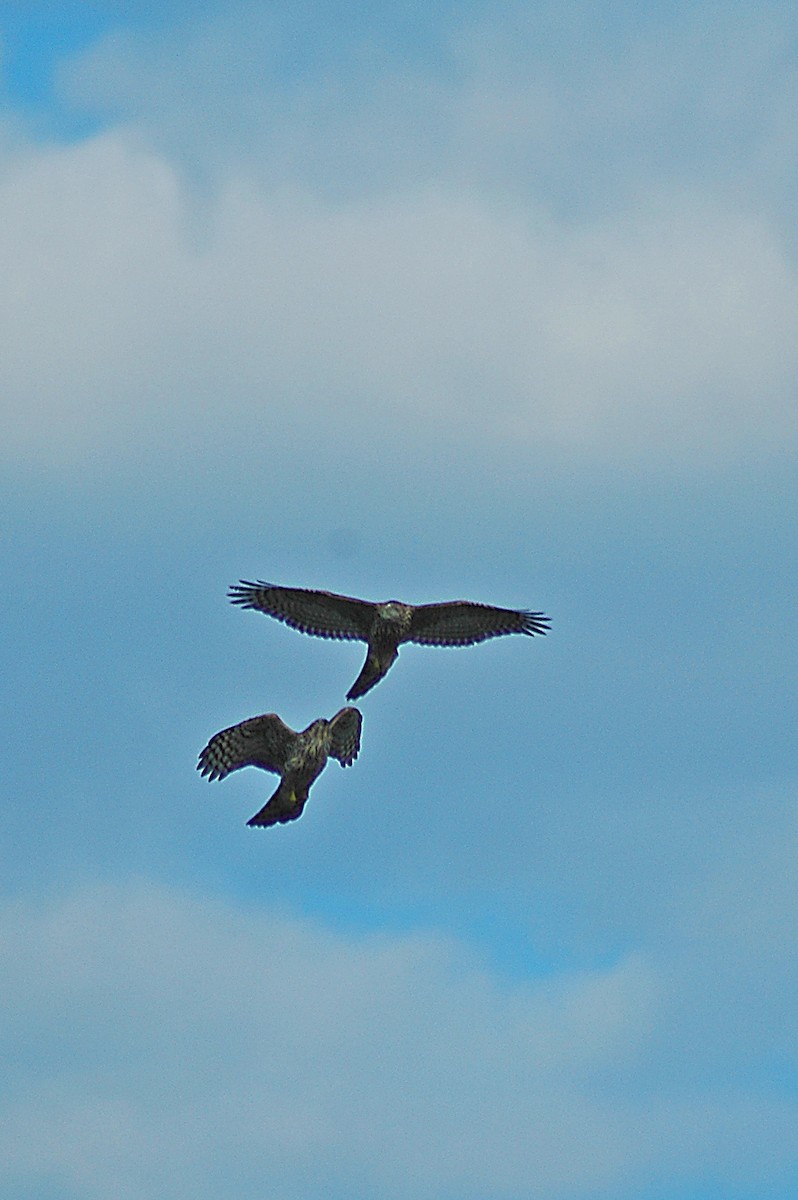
point(462, 623)
point(323, 614)
point(259, 742)
point(345, 729)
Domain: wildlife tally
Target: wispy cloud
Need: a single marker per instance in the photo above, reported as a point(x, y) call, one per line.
point(167, 1042)
point(268, 1047)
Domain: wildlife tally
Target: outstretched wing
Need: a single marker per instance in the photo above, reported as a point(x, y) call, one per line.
point(461, 623)
point(321, 613)
point(260, 742)
point(345, 728)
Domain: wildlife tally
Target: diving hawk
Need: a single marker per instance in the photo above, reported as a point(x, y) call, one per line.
point(384, 627)
point(298, 758)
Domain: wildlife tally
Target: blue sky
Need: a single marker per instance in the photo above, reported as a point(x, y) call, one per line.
point(496, 302)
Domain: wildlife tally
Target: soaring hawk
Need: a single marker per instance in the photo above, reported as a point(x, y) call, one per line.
point(384, 627)
point(298, 758)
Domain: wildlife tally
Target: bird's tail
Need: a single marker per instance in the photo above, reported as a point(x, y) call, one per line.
point(285, 805)
point(373, 671)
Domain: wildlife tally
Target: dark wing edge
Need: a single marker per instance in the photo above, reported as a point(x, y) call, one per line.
point(259, 742)
point(323, 614)
point(345, 728)
point(463, 623)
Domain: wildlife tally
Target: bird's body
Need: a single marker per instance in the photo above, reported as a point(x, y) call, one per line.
point(386, 626)
point(298, 758)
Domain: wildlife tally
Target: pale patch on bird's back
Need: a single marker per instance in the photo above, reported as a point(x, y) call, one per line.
point(393, 612)
point(312, 747)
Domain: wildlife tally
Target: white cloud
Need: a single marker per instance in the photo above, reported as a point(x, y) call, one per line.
point(541, 234)
point(139, 318)
point(578, 106)
point(165, 1030)
point(163, 1044)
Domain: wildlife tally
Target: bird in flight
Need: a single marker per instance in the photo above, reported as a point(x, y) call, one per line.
point(384, 627)
point(298, 758)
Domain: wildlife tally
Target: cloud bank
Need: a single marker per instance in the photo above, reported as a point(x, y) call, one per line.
point(312, 248)
point(165, 1044)
point(671, 333)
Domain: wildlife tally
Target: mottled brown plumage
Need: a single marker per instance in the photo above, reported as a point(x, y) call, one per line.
point(384, 627)
point(298, 758)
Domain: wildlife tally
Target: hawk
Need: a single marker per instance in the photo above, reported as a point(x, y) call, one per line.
point(298, 758)
point(384, 627)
